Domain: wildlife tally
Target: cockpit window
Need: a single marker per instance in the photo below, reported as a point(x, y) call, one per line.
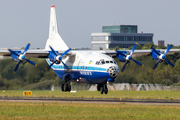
point(101, 62)
point(107, 62)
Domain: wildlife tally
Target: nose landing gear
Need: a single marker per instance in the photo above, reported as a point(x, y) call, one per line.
point(102, 88)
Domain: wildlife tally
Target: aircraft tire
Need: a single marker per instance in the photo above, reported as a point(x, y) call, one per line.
point(105, 89)
point(66, 87)
point(98, 87)
point(102, 90)
point(69, 87)
point(62, 87)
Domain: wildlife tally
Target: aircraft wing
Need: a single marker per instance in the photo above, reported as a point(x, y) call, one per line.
point(138, 53)
point(41, 53)
point(32, 53)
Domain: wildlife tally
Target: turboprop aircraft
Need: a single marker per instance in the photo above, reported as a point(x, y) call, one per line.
point(81, 66)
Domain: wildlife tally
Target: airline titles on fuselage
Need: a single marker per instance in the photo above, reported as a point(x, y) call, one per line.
point(85, 73)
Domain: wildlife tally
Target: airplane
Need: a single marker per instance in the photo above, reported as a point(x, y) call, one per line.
point(80, 66)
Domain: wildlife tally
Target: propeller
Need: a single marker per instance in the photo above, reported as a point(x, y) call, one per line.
point(58, 58)
point(21, 57)
point(162, 56)
point(129, 57)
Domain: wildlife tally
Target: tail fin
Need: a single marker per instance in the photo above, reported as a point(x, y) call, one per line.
point(54, 39)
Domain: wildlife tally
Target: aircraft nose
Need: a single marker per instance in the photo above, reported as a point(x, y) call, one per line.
point(113, 71)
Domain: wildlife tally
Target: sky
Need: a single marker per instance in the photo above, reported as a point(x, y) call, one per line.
point(23, 21)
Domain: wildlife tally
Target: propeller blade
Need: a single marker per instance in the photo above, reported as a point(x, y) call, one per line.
point(156, 65)
point(154, 50)
point(26, 48)
point(124, 66)
point(121, 53)
point(13, 52)
point(16, 67)
point(50, 65)
point(65, 52)
point(134, 47)
point(137, 62)
point(31, 62)
point(65, 65)
point(169, 47)
point(53, 51)
point(170, 63)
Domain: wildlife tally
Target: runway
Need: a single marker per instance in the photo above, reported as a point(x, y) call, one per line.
point(91, 100)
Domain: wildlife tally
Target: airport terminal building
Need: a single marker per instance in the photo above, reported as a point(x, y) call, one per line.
point(123, 36)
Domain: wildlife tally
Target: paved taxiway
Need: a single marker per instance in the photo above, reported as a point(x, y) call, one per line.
point(91, 102)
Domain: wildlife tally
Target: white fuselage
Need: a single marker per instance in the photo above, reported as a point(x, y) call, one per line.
point(88, 67)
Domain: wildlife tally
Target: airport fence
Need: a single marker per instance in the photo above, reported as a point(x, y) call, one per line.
point(111, 87)
point(122, 87)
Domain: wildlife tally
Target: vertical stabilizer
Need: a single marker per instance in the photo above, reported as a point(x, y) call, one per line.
point(54, 39)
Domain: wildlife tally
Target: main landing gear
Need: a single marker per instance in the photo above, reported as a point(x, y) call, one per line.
point(102, 88)
point(66, 87)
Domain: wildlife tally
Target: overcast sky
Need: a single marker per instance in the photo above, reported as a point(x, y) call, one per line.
point(23, 21)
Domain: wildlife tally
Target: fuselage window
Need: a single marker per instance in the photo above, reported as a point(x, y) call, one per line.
point(111, 61)
point(114, 62)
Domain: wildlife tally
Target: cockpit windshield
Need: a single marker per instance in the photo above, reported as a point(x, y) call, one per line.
point(101, 62)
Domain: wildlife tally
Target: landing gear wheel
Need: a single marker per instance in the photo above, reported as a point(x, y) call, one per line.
point(105, 89)
point(69, 87)
point(101, 89)
point(98, 87)
point(62, 87)
point(66, 87)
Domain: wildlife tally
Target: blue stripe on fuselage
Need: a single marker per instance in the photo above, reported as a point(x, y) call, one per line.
point(91, 75)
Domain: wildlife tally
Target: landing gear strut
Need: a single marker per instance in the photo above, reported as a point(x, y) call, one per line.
point(102, 88)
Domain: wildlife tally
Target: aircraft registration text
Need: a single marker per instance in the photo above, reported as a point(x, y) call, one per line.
point(85, 73)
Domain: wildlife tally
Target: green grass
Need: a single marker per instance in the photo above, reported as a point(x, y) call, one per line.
point(95, 94)
point(83, 111)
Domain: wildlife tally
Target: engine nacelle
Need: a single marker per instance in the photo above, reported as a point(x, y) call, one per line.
point(15, 57)
point(52, 56)
point(121, 57)
point(154, 55)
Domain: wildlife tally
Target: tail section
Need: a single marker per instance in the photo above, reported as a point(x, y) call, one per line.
point(54, 39)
